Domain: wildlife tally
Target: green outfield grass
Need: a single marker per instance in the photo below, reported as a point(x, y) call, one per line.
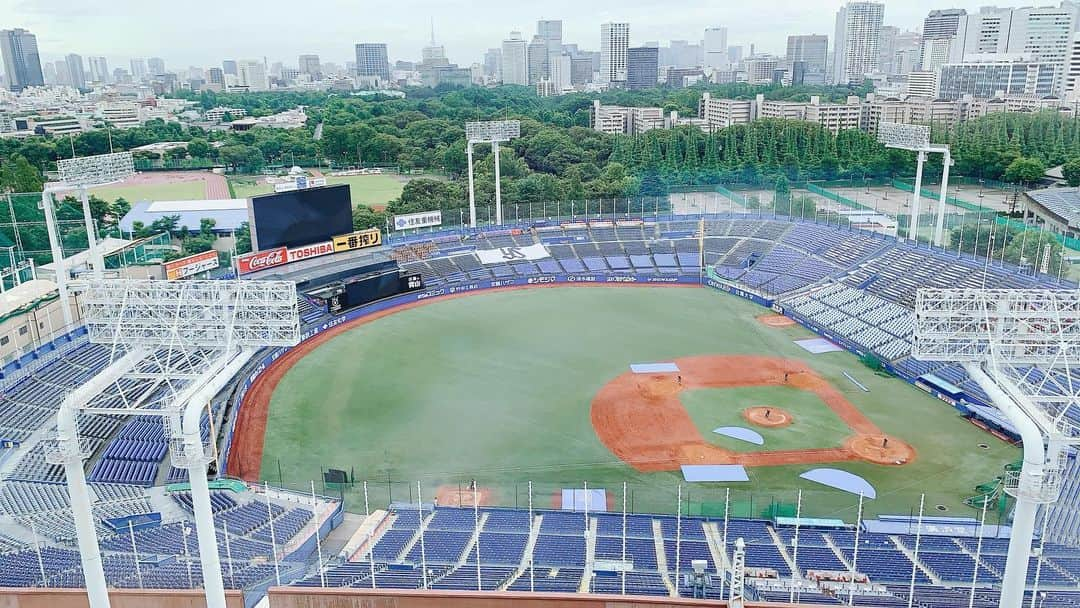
point(180, 191)
point(497, 387)
point(365, 189)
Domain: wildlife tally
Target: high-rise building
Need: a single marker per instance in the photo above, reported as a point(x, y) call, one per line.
point(614, 40)
point(1072, 72)
point(63, 74)
point(515, 63)
point(561, 67)
point(215, 79)
point(308, 64)
point(156, 65)
point(642, 67)
point(372, 60)
point(898, 51)
point(938, 37)
point(22, 63)
point(492, 59)
point(251, 73)
point(229, 67)
point(813, 51)
point(138, 69)
point(537, 60)
point(857, 41)
point(1038, 34)
point(997, 75)
point(99, 69)
point(581, 71)
point(550, 31)
point(715, 48)
point(76, 71)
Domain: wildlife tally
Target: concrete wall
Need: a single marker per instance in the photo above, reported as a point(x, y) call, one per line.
point(119, 598)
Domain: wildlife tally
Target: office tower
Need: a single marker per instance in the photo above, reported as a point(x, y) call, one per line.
point(99, 69)
point(308, 64)
point(550, 31)
point(938, 37)
point(76, 71)
point(614, 40)
point(492, 59)
point(228, 66)
point(215, 79)
point(537, 59)
point(734, 54)
point(22, 63)
point(581, 70)
point(561, 68)
point(1038, 34)
point(642, 67)
point(156, 66)
point(898, 52)
point(812, 50)
point(1072, 71)
point(372, 60)
point(996, 74)
point(715, 43)
point(857, 41)
point(138, 69)
point(63, 74)
point(515, 64)
point(252, 74)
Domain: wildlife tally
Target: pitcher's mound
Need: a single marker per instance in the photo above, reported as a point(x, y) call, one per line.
point(875, 448)
point(462, 496)
point(767, 416)
point(775, 320)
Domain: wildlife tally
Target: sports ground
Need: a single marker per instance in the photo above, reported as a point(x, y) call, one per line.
point(508, 387)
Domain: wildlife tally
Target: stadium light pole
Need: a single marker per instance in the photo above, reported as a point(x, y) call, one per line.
point(916, 138)
point(1002, 337)
point(490, 132)
point(89, 171)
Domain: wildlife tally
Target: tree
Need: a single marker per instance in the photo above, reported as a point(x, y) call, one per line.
point(1071, 171)
point(1025, 170)
point(199, 148)
point(18, 175)
point(365, 217)
point(243, 238)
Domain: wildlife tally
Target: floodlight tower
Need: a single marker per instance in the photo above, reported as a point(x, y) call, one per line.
point(184, 340)
point(492, 132)
point(1022, 347)
point(91, 171)
point(916, 138)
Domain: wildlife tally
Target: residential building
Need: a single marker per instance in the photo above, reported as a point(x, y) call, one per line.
point(1072, 72)
point(515, 63)
point(625, 120)
point(997, 75)
point(835, 117)
point(719, 113)
point(309, 64)
point(813, 50)
point(788, 110)
point(857, 41)
point(22, 63)
point(939, 37)
point(761, 68)
point(537, 60)
point(642, 67)
point(715, 48)
point(372, 61)
point(1039, 34)
point(614, 41)
point(99, 69)
point(76, 71)
point(252, 74)
point(156, 66)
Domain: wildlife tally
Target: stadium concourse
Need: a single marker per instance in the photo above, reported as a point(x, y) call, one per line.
point(857, 288)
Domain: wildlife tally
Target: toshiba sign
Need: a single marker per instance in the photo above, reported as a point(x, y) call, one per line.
point(310, 251)
point(254, 262)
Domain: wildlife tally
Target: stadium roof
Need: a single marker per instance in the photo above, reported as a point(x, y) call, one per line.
point(1062, 202)
point(228, 213)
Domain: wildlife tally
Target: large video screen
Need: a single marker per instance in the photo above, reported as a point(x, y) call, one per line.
point(300, 217)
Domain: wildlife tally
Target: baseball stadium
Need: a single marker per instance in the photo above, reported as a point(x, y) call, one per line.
point(731, 408)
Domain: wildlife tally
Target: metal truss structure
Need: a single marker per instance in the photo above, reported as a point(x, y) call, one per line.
point(175, 344)
point(916, 138)
point(1021, 347)
point(491, 132)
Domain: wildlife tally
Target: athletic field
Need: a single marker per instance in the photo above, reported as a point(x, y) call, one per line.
point(366, 189)
point(499, 387)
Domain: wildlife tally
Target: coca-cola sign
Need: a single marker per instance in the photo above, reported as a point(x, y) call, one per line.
point(254, 262)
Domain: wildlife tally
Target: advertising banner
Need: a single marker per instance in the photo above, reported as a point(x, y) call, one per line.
point(357, 240)
point(503, 255)
point(418, 220)
point(191, 265)
point(254, 262)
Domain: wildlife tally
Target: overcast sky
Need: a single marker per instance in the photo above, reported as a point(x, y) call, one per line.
point(203, 32)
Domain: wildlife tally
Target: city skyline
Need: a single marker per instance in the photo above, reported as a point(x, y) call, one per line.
point(64, 27)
